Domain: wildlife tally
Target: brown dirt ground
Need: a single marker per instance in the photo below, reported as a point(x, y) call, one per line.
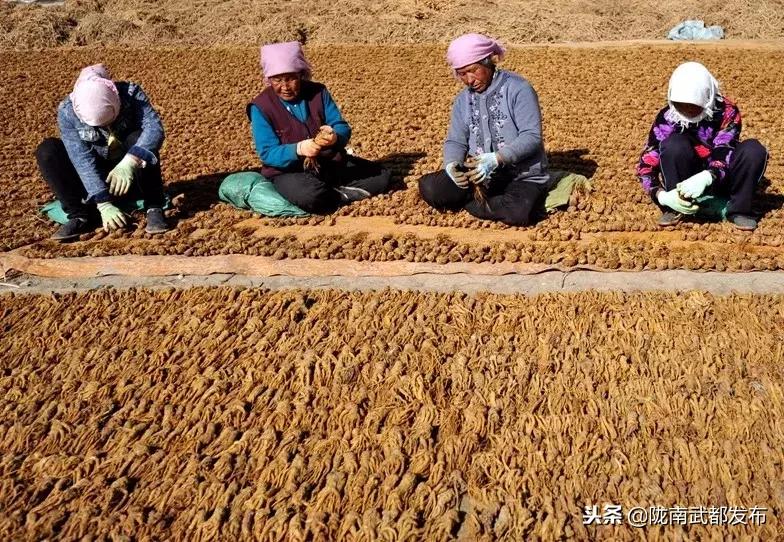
point(245, 414)
point(248, 22)
point(597, 103)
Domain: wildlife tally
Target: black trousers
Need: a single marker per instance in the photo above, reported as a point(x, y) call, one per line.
point(679, 161)
point(315, 192)
point(510, 201)
point(60, 174)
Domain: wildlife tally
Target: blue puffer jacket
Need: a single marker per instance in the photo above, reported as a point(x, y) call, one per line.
point(88, 147)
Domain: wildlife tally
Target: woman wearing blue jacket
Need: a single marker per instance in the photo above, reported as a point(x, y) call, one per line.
point(110, 139)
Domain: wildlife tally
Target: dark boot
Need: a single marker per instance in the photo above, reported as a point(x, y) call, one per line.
point(743, 222)
point(72, 229)
point(669, 218)
point(156, 223)
point(352, 193)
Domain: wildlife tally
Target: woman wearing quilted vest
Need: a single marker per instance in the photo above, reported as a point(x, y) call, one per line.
point(108, 150)
point(495, 165)
point(301, 137)
point(694, 150)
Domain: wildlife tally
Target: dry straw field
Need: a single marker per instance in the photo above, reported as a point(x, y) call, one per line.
point(308, 415)
point(598, 104)
point(246, 22)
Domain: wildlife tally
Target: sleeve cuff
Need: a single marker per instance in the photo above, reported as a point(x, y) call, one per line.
point(292, 153)
point(454, 157)
point(716, 172)
point(506, 159)
point(143, 154)
point(654, 193)
point(101, 196)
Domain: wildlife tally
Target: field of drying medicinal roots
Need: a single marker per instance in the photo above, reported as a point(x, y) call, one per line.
point(295, 415)
point(598, 103)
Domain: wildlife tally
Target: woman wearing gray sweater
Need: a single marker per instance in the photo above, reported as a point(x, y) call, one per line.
point(495, 164)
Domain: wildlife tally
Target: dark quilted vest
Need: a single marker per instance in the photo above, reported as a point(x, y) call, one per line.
point(289, 129)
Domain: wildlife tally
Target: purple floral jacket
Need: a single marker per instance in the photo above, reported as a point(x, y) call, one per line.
point(714, 140)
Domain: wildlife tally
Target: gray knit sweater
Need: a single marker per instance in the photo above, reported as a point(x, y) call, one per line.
point(505, 118)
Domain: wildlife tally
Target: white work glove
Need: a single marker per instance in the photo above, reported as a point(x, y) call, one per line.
point(121, 177)
point(460, 178)
point(484, 166)
point(112, 217)
point(673, 200)
point(694, 186)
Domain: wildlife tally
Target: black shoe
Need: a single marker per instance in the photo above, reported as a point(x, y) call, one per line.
point(743, 222)
point(352, 193)
point(156, 223)
point(72, 229)
point(669, 218)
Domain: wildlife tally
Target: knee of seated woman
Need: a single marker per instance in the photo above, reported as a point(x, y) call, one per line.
point(676, 143)
point(753, 148)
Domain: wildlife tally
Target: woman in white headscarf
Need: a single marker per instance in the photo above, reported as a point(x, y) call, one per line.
point(694, 146)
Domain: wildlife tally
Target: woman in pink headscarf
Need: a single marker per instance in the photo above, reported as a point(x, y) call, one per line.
point(301, 136)
point(107, 152)
point(494, 140)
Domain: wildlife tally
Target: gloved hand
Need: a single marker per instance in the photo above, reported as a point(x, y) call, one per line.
point(112, 217)
point(120, 178)
point(694, 186)
point(460, 178)
point(484, 165)
point(308, 148)
point(672, 199)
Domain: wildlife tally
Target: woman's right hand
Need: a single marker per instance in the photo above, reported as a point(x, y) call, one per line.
point(460, 178)
point(308, 148)
point(673, 200)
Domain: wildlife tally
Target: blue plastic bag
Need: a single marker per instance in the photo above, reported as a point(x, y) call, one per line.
point(695, 30)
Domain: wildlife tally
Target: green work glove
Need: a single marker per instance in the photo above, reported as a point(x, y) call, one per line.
point(120, 178)
point(695, 186)
point(674, 201)
point(112, 217)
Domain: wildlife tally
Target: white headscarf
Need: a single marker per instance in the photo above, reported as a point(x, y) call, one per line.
point(692, 83)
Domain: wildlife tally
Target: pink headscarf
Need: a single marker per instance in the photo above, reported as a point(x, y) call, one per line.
point(470, 48)
point(95, 98)
point(288, 57)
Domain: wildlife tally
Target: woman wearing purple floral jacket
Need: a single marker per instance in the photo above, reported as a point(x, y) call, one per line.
point(694, 146)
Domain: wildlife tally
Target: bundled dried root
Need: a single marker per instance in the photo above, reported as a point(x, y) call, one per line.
point(322, 139)
point(391, 415)
point(478, 189)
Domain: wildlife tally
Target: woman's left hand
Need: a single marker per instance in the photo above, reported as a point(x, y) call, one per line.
point(484, 166)
point(695, 186)
point(326, 136)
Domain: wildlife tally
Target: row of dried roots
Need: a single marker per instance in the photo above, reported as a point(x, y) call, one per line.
point(328, 415)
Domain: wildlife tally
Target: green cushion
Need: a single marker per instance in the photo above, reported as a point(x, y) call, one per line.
point(251, 190)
